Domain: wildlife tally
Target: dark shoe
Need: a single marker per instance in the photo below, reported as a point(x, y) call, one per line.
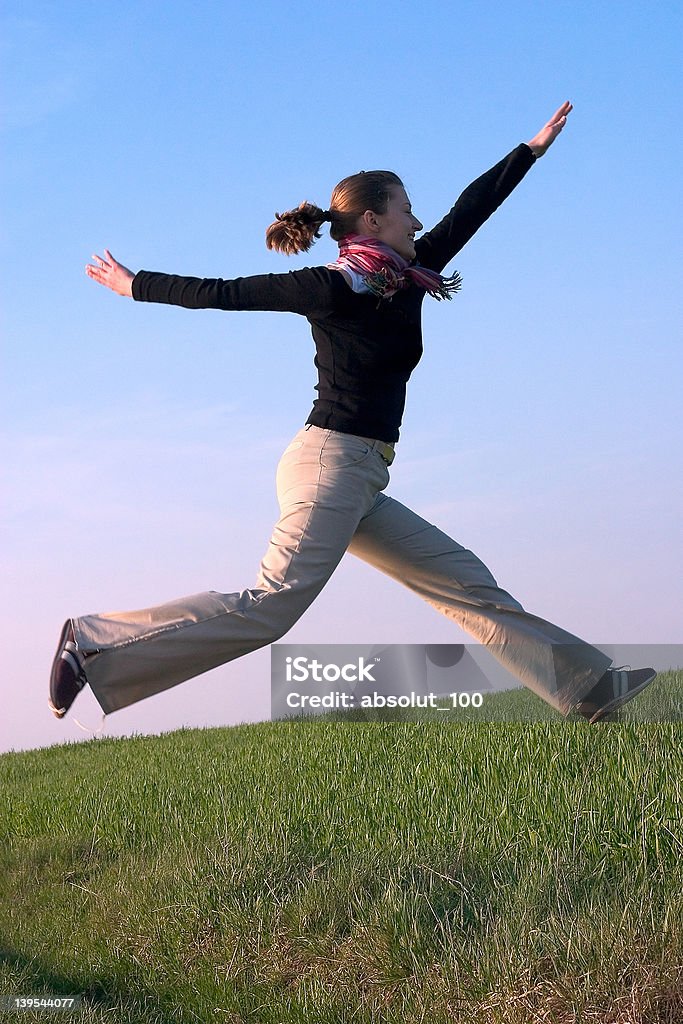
point(67, 678)
point(614, 689)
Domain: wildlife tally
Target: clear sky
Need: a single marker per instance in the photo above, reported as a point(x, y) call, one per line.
point(543, 425)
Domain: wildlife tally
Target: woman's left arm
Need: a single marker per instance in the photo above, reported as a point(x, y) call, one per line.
point(483, 197)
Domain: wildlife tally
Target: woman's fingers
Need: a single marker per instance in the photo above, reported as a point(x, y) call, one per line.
point(108, 263)
point(109, 272)
point(103, 267)
point(550, 130)
point(560, 113)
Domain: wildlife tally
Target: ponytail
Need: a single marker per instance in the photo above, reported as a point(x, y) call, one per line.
point(296, 230)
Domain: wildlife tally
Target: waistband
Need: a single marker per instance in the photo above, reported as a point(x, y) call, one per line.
point(383, 448)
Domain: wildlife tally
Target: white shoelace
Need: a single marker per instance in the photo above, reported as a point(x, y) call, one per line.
point(93, 732)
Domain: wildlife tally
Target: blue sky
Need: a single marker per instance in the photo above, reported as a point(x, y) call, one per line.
point(543, 424)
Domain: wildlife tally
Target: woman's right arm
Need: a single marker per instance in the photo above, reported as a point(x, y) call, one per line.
point(299, 291)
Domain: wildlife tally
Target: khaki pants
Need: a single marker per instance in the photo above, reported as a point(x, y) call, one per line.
point(330, 493)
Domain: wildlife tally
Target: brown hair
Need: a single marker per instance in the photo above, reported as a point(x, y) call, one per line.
point(296, 230)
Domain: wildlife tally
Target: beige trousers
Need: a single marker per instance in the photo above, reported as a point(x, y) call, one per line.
point(330, 493)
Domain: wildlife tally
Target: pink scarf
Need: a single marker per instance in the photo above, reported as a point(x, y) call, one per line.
point(385, 272)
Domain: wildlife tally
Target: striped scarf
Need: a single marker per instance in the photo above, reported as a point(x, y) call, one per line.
point(385, 272)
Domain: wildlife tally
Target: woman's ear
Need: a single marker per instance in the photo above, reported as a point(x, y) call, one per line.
point(369, 222)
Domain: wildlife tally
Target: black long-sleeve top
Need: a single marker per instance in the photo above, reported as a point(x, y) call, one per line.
point(366, 348)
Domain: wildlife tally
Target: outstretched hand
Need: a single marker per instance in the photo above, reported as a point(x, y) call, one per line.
point(550, 131)
point(111, 274)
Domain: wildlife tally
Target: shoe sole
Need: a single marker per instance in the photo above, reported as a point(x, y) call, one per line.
point(61, 648)
point(619, 702)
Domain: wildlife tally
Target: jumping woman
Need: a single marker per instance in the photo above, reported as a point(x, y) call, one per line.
point(364, 311)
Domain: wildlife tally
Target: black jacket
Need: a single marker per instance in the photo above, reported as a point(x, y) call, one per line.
point(366, 348)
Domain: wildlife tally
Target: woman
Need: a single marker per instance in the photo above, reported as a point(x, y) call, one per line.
point(364, 312)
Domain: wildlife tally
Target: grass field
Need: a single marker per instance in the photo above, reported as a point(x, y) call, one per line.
point(330, 871)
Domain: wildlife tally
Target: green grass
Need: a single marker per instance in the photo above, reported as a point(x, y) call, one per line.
point(334, 871)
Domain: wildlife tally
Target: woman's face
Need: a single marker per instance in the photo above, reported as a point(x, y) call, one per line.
point(397, 226)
